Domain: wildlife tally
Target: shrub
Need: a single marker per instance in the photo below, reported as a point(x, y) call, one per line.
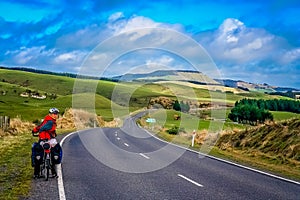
point(175, 130)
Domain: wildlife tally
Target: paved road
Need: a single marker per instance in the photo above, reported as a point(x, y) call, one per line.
point(128, 163)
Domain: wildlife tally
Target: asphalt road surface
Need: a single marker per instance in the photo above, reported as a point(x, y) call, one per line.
point(128, 163)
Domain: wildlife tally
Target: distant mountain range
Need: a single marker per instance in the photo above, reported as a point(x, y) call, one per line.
point(199, 78)
point(255, 86)
point(169, 75)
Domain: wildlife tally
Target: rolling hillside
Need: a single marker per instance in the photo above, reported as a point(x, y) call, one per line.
point(17, 87)
point(17, 90)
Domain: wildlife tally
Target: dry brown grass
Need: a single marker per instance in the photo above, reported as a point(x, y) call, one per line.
point(71, 120)
point(80, 119)
point(17, 126)
point(277, 141)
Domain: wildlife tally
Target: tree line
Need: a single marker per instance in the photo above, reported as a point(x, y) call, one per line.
point(272, 104)
point(252, 111)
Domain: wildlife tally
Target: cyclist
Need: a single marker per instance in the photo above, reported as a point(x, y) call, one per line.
point(47, 131)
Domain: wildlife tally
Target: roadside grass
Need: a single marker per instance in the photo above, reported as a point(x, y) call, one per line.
point(255, 160)
point(271, 163)
point(260, 161)
point(15, 166)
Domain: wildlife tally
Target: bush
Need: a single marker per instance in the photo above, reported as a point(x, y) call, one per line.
point(175, 130)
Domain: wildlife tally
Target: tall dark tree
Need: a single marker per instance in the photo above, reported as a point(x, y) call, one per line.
point(176, 106)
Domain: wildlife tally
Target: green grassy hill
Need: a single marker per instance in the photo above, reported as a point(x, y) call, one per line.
point(60, 90)
point(107, 95)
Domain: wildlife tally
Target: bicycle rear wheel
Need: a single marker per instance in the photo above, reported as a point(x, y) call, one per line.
point(47, 168)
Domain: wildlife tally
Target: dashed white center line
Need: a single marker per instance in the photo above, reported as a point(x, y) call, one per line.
point(127, 145)
point(190, 180)
point(144, 156)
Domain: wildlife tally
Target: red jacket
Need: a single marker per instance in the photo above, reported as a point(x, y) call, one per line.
point(47, 129)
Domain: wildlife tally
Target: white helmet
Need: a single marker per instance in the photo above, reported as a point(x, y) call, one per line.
point(53, 111)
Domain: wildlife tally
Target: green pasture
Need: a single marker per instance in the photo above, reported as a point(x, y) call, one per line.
point(279, 116)
point(165, 118)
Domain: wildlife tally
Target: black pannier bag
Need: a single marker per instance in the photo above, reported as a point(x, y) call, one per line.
point(56, 154)
point(37, 154)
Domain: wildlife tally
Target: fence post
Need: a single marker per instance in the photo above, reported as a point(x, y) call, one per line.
point(4, 122)
point(1, 122)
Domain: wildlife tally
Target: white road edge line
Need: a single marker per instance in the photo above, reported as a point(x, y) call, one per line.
point(60, 182)
point(144, 156)
point(226, 161)
point(190, 180)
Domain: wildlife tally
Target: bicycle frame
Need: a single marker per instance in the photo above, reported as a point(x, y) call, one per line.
point(47, 164)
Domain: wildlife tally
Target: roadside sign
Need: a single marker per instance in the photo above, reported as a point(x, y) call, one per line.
point(150, 120)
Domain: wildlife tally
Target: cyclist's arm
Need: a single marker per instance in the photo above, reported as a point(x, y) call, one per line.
point(47, 126)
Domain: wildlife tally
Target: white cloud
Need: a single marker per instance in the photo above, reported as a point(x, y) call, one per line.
point(163, 60)
point(250, 54)
point(129, 36)
point(230, 29)
point(235, 43)
point(28, 56)
point(115, 16)
point(73, 57)
point(291, 56)
point(255, 45)
point(135, 22)
point(39, 56)
point(86, 38)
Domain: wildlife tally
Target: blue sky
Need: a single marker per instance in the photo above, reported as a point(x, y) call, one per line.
point(255, 41)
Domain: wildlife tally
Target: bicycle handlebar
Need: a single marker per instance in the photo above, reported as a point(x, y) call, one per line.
point(35, 134)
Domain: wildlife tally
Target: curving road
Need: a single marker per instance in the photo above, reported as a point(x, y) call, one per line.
point(128, 163)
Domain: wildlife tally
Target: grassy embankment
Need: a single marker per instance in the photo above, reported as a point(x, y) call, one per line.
point(15, 170)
